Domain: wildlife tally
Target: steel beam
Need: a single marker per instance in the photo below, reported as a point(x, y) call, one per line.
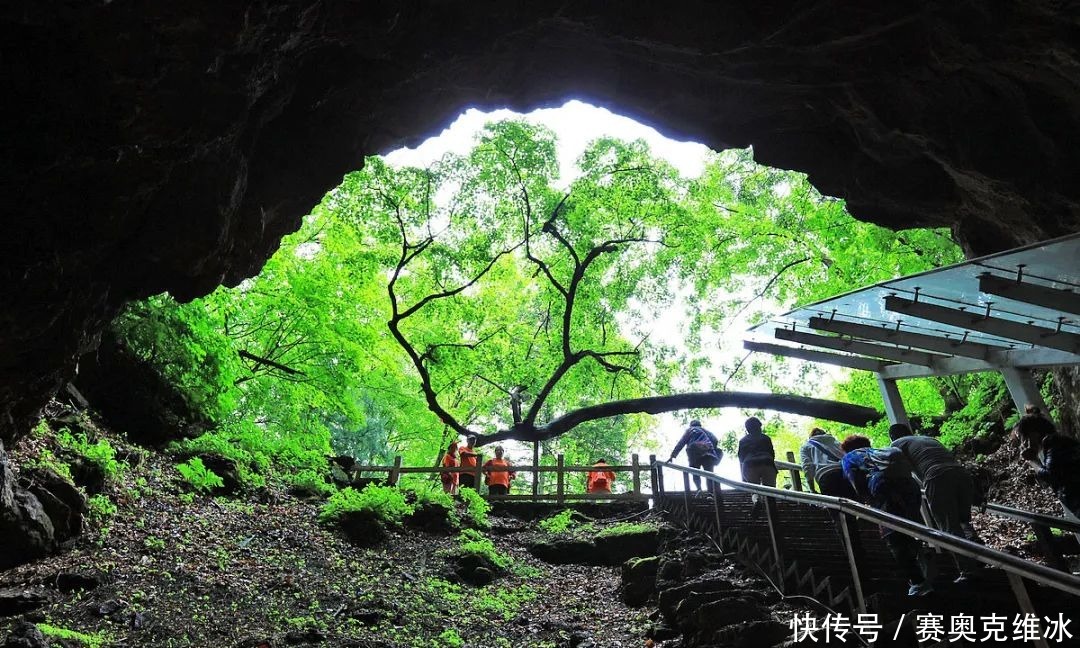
point(861, 348)
point(1037, 335)
point(851, 362)
point(1017, 358)
point(1065, 301)
point(1023, 390)
point(894, 404)
point(976, 350)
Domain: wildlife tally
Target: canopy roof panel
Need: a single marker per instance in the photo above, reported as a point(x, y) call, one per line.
point(1019, 308)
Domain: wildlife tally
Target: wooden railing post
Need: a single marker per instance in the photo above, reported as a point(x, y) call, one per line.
point(536, 469)
point(652, 477)
point(637, 474)
point(796, 482)
point(395, 472)
point(560, 479)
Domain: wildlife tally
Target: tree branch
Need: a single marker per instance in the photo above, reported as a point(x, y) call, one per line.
point(816, 407)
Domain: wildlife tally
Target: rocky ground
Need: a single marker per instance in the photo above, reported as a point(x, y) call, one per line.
point(257, 570)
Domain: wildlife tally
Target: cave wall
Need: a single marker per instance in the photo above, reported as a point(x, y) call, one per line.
point(168, 146)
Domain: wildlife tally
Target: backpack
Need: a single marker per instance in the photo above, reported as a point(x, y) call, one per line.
point(827, 450)
point(889, 461)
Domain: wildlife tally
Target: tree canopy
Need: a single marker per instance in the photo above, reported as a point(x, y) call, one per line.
point(486, 293)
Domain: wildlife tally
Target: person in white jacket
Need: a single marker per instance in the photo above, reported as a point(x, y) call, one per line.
point(820, 457)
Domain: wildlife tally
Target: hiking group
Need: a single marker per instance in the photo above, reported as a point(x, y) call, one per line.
point(912, 471)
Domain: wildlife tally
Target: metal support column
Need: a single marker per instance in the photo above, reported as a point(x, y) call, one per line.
point(894, 404)
point(778, 556)
point(1023, 390)
point(845, 531)
point(1024, 600)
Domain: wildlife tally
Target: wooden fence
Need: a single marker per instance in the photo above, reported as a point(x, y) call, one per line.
point(561, 470)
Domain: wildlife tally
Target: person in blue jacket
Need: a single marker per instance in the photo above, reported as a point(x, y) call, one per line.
point(882, 478)
point(702, 450)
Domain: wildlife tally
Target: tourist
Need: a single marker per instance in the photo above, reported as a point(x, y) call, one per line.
point(702, 450)
point(599, 480)
point(450, 479)
point(757, 459)
point(1054, 457)
point(468, 459)
point(882, 478)
point(820, 457)
point(947, 486)
point(498, 481)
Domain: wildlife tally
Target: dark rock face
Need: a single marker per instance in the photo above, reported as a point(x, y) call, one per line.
point(134, 397)
point(639, 580)
point(602, 550)
point(25, 526)
point(61, 501)
point(169, 146)
point(25, 635)
point(362, 528)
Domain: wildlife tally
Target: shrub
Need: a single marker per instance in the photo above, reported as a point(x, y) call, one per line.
point(101, 453)
point(386, 503)
point(450, 638)
point(505, 603)
point(428, 495)
point(46, 460)
point(561, 522)
point(87, 640)
point(199, 477)
point(99, 509)
point(626, 528)
point(472, 542)
point(310, 480)
point(476, 507)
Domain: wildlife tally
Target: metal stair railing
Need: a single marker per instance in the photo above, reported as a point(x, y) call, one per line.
point(1041, 523)
point(1017, 569)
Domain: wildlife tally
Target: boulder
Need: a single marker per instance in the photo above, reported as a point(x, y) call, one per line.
point(62, 502)
point(68, 582)
point(475, 569)
point(86, 473)
point(618, 548)
point(226, 469)
point(25, 635)
point(432, 518)
point(16, 601)
point(639, 580)
point(671, 598)
point(25, 527)
point(135, 397)
point(567, 552)
point(752, 634)
point(362, 528)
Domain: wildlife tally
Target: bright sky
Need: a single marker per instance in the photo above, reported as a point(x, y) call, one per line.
point(576, 124)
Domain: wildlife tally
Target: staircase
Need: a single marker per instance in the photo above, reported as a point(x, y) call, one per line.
point(809, 558)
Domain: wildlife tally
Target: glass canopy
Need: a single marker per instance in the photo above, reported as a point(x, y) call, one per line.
point(1019, 308)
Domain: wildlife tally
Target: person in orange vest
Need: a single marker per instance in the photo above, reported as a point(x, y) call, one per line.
point(498, 482)
point(467, 459)
point(450, 460)
point(599, 481)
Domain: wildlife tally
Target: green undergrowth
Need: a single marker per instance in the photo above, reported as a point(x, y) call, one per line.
point(474, 543)
point(95, 640)
point(385, 503)
point(200, 478)
point(626, 528)
point(566, 522)
point(476, 507)
point(100, 452)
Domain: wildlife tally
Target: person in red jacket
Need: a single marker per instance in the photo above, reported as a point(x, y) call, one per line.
point(467, 458)
point(599, 481)
point(498, 481)
point(450, 460)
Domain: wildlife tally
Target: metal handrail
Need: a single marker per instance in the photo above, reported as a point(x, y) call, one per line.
point(1031, 517)
point(1011, 564)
